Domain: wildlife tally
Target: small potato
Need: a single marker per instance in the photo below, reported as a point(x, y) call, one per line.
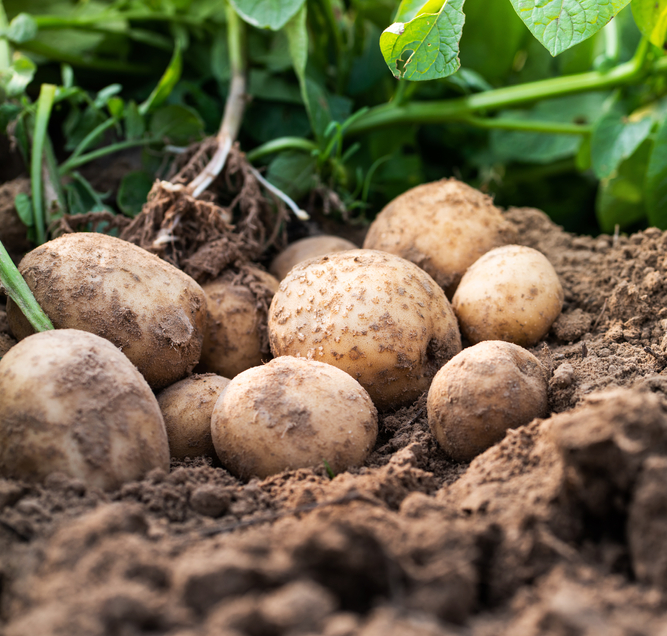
point(482, 392)
point(236, 337)
point(72, 403)
point(187, 407)
point(292, 413)
point(443, 227)
point(306, 248)
point(374, 315)
point(512, 293)
point(153, 312)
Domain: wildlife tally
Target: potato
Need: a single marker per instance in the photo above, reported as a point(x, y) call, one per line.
point(512, 293)
point(482, 392)
point(443, 227)
point(154, 313)
point(292, 413)
point(306, 248)
point(236, 337)
point(374, 315)
point(186, 408)
point(72, 403)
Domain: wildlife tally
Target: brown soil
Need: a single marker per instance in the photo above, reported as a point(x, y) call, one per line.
point(558, 529)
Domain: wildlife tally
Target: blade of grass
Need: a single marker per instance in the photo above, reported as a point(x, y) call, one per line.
point(44, 105)
point(70, 164)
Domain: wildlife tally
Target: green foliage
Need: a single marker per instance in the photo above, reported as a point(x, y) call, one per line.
point(651, 18)
point(267, 13)
point(656, 180)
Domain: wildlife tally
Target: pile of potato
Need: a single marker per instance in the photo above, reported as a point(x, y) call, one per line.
point(353, 331)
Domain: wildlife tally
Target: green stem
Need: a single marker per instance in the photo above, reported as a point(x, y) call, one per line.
point(17, 289)
point(92, 136)
point(138, 35)
point(527, 125)
point(57, 22)
point(44, 105)
point(280, 144)
point(459, 108)
point(5, 53)
point(70, 164)
point(52, 169)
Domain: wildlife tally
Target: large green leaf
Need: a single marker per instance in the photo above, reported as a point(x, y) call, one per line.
point(166, 84)
point(271, 14)
point(427, 46)
point(560, 24)
point(651, 18)
point(656, 180)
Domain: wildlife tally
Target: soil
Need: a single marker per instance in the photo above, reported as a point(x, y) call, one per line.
point(558, 529)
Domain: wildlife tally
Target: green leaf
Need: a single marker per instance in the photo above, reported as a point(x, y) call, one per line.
point(116, 107)
point(179, 125)
point(651, 18)
point(8, 113)
point(620, 199)
point(133, 192)
point(103, 97)
point(615, 138)
point(22, 29)
point(656, 180)
point(293, 173)
point(166, 84)
point(271, 14)
point(19, 75)
point(560, 24)
point(23, 206)
point(134, 122)
point(427, 46)
point(82, 197)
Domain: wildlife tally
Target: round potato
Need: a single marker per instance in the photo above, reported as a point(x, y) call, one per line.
point(443, 227)
point(374, 315)
point(482, 392)
point(154, 313)
point(512, 293)
point(72, 403)
point(306, 248)
point(292, 413)
point(236, 333)
point(186, 408)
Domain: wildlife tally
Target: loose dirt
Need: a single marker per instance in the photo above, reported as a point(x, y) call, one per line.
point(559, 529)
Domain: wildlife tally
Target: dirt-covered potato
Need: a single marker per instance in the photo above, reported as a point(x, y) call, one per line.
point(186, 408)
point(292, 413)
point(72, 403)
point(236, 338)
point(375, 315)
point(306, 248)
point(512, 293)
point(443, 227)
point(482, 392)
point(154, 313)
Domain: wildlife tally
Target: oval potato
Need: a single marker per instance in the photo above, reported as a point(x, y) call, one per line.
point(307, 248)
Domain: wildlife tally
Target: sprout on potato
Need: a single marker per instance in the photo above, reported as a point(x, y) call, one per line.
point(512, 293)
point(72, 403)
point(307, 248)
point(443, 227)
point(153, 312)
point(292, 413)
point(377, 316)
point(186, 408)
point(482, 392)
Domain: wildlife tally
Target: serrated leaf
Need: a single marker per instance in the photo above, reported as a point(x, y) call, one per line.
point(426, 47)
point(22, 29)
point(656, 180)
point(560, 24)
point(271, 14)
point(651, 18)
point(23, 205)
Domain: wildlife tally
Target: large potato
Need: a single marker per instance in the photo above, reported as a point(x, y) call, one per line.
point(72, 403)
point(186, 408)
point(443, 227)
point(512, 293)
point(482, 392)
point(377, 316)
point(154, 313)
point(306, 248)
point(236, 337)
point(292, 413)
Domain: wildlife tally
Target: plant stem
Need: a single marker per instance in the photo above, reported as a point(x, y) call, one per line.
point(5, 53)
point(234, 107)
point(57, 22)
point(460, 108)
point(527, 125)
point(91, 137)
point(44, 104)
point(280, 144)
point(52, 169)
point(17, 289)
point(70, 164)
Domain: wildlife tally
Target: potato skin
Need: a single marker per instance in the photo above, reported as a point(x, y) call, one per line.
point(482, 392)
point(374, 315)
point(307, 248)
point(443, 227)
point(292, 413)
point(512, 293)
point(235, 338)
point(153, 312)
point(71, 402)
point(187, 407)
